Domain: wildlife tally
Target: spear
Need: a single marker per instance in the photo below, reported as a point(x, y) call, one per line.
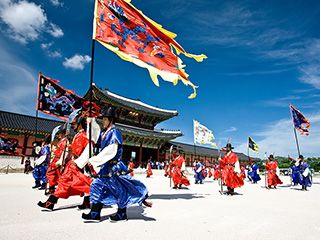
point(265, 170)
point(170, 152)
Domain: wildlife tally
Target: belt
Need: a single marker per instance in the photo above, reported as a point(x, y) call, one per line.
point(230, 164)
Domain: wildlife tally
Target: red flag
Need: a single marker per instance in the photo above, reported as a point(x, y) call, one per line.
point(125, 30)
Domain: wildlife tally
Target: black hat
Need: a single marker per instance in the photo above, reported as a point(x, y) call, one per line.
point(109, 112)
point(229, 146)
point(301, 157)
point(271, 156)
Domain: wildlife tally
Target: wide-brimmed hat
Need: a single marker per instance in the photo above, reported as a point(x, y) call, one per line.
point(229, 146)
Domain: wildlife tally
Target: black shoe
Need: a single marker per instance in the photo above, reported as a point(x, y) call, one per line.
point(37, 185)
point(51, 190)
point(85, 204)
point(42, 187)
point(119, 217)
point(47, 205)
point(91, 217)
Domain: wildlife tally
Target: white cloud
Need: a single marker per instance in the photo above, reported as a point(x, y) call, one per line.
point(305, 54)
point(50, 53)
point(55, 30)
point(26, 21)
point(76, 62)
point(278, 138)
point(281, 102)
point(46, 45)
point(231, 129)
point(56, 3)
point(54, 54)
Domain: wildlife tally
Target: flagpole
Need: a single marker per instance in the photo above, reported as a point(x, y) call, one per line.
point(297, 142)
point(295, 131)
point(91, 94)
point(248, 151)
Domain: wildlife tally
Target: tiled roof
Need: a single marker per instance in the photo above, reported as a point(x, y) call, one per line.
point(133, 104)
point(161, 134)
point(25, 123)
point(189, 148)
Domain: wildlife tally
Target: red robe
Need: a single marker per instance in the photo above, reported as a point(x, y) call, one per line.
point(243, 173)
point(131, 167)
point(72, 181)
point(273, 179)
point(216, 173)
point(229, 176)
point(149, 170)
point(177, 175)
point(53, 172)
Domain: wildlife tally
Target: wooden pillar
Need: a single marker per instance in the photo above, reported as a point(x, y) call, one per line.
point(24, 146)
point(140, 155)
point(158, 154)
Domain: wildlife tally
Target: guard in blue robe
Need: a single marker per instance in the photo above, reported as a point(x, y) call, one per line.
point(305, 172)
point(41, 166)
point(112, 185)
point(198, 172)
point(254, 174)
point(296, 174)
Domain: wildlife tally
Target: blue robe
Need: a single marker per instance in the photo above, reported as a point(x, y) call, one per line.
point(39, 171)
point(120, 190)
point(296, 175)
point(306, 181)
point(254, 174)
point(198, 175)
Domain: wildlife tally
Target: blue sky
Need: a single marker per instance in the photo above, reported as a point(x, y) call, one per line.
point(262, 55)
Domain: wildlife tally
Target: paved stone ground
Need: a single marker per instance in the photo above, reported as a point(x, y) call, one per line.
point(194, 213)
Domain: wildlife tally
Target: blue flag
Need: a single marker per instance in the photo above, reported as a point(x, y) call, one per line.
point(299, 121)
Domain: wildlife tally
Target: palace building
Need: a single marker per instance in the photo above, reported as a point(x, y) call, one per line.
point(136, 120)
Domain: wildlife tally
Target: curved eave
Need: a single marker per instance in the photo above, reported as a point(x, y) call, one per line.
point(125, 129)
point(131, 104)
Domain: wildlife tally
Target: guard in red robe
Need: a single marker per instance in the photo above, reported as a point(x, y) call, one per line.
point(131, 168)
point(243, 172)
point(53, 172)
point(177, 167)
point(231, 170)
point(149, 170)
point(73, 181)
point(216, 173)
point(273, 178)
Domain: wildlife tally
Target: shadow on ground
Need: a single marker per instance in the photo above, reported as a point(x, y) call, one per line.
point(186, 196)
point(133, 213)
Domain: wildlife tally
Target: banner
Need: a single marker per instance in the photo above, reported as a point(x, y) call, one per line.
point(126, 31)
point(299, 121)
point(202, 134)
point(55, 100)
point(253, 145)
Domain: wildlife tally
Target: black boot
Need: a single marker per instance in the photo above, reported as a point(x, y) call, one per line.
point(37, 184)
point(121, 215)
point(85, 204)
point(43, 186)
point(49, 204)
point(94, 214)
point(51, 190)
